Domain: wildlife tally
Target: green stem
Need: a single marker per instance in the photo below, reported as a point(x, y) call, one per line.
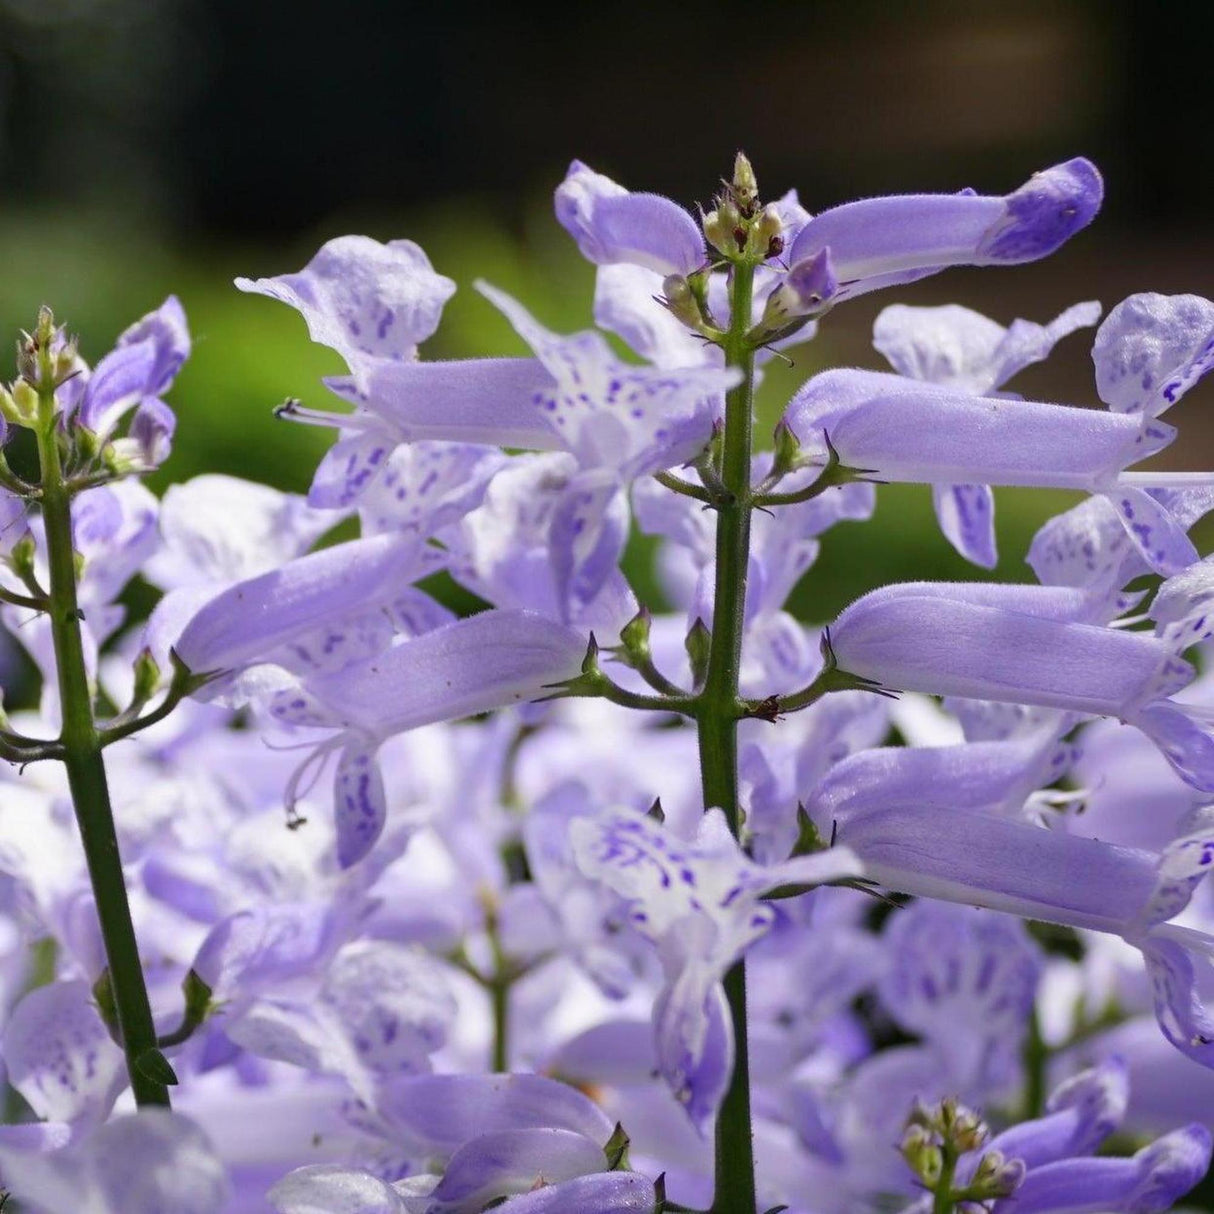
point(944, 1201)
point(718, 711)
point(86, 771)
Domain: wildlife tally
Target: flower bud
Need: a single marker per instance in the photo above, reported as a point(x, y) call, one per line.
point(699, 646)
point(681, 301)
point(722, 226)
point(24, 401)
point(745, 186)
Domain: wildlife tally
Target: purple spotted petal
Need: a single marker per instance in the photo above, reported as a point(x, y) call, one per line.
point(364, 299)
point(882, 241)
point(253, 618)
point(348, 468)
point(966, 514)
point(612, 414)
point(612, 225)
point(695, 1047)
point(360, 804)
point(1183, 1017)
point(1162, 541)
point(1152, 349)
point(394, 1002)
point(59, 1054)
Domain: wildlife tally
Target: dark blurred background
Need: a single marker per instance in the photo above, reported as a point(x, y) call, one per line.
point(149, 146)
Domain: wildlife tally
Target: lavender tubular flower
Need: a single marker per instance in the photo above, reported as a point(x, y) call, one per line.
point(960, 640)
point(249, 621)
point(881, 242)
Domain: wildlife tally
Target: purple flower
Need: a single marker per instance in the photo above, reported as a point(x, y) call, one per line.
point(700, 905)
point(366, 300)
point(957, 348)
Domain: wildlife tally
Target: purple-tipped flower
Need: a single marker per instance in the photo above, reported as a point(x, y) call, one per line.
point(879, 242)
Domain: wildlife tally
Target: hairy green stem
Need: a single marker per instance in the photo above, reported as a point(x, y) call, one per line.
point(718, 712)
point(86, 771)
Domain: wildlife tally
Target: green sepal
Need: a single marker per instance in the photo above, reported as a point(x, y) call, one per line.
point(699, 649)
point(616, 1149)
point(153, 1065)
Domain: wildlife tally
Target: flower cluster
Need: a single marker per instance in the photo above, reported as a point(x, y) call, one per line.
point(582, 903)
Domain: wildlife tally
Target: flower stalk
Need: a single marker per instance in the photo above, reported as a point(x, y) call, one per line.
point(718, 711)
point(80, 745)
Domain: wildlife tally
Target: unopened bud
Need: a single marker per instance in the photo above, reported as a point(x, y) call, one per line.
point(768, 228)
point(699, 648)
point(745, 186)
point(22, 555)
point(721, 227)
point(922, 1154)
point(681, 301)
point(995, 1176)
point(147, 676)
point(806, 289)
point(24, 402)
point(634, 636)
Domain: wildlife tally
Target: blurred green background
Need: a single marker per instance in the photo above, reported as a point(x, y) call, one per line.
point(149, 146)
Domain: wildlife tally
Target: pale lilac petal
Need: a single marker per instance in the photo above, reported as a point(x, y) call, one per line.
point(150, 436)
point(394, 1001)
point(249, 620)
point(487, 661)
point(1184, 1019)
point(625, 304)
point(1148, 1183)
point(169, 335)
point(878, 241)
point(958, 348)
point(471, 400)
point(912, 640)
point(612, 225)
point(1184, 737)
point(503, 1163)
point(605, 1193)
point(589, 530)
point(903, 430)
point(153, 1162)
point(348, 468)
point(328, 1189)
point(426, 486)
point(1152, 349)
point(613, 414)
point(695, 1046)
point(360, 804)
point(966, 514)
point(439, 1113)
point(118, 383)
point(362, 298)
point(217, 529)
point(1081, 1113)
point(1001, 864)
point(59, 1054)
point(1162, 542)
